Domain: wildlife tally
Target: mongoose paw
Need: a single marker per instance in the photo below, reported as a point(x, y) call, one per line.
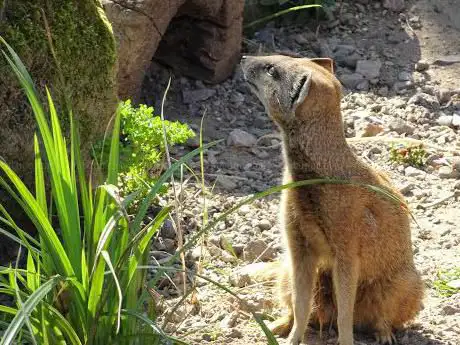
point(294, 338)
point(385, 338)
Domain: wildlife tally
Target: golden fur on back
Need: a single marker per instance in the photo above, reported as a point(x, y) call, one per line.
point(349, 252)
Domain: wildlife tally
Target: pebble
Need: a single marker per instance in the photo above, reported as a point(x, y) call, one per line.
point(369, 69)
point(264, 224)
point(401, 126)
point(422, 66)
point(447, 172)
point(410, 171)
point(258, 249)
point(350, 81)
point(456, 120)
point(445, 120)
point(226, 182)
point(193, 96)
point(404, 76)
point(454, 284)
point(241, 138)
point(244, 210)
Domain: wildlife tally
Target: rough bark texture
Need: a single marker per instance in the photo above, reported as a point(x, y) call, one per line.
point(198, 38)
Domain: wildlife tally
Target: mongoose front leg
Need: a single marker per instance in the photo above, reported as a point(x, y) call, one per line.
point(345, 278)
point(303, 278)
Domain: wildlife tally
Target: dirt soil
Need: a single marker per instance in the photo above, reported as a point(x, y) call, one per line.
point(412, 91)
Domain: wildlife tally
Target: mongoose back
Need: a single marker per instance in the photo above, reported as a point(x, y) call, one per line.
point(348, 249)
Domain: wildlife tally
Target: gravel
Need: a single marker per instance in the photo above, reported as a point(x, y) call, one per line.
point(388, 93)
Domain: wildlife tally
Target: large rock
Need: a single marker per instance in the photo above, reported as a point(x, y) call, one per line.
point(85, 48)
point(198, 38)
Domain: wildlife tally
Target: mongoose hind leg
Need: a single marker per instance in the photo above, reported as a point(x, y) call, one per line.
point(389, 303)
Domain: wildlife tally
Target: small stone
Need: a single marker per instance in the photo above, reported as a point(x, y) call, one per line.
point(412, 172)
point(193, 96)
point(167, 230)
point(258, 249)
point(400, 127)
point(233, 333)
point(454, 284)
point(350, 81)
point(170, 245)
point(455, 161)
point(447, 172)
point(206, 337)
point(363, 86)
point(457, 185)
point(383, 91)
point(404, 76)
point(456, 120)
point(244, 210)
point(226, 182)
point(394, 5)
point(405, 189)
point(445, 120)
point(400, 86)
point(369, 68)
point(450, 310)
point(241, 138)
point(422, 66)
point(443, 95)
point(264, 224)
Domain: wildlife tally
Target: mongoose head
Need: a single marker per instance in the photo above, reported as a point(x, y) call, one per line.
point(287, 84)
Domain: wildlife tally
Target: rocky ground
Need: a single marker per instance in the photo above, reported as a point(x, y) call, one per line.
point(398, 72)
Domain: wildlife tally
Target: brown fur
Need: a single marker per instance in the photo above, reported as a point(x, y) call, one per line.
point(349, 250)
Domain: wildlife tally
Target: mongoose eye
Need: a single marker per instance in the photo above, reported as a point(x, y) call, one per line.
point(270, 70)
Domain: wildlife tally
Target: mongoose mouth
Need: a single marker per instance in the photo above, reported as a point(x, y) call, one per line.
point(251, 84)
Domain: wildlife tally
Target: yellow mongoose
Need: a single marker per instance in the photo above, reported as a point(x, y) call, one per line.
point(349, 250)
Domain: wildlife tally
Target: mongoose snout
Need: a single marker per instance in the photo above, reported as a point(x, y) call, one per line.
point(348, 250)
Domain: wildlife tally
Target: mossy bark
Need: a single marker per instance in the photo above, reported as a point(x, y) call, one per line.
point(82, 69)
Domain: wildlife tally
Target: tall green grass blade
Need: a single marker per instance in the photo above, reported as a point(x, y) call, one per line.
point(161, 181)
point(66, 200)
point(11, 224)
point(279, 14)
point(112, 177)
point(40, 190)
point(20, 318)
point(106, 257)
point(36, 214)
point(32, 282)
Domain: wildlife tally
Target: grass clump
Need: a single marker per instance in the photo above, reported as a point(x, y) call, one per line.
point(84, 276)
point(443, 283)
point(142, 149)
point(414, 155)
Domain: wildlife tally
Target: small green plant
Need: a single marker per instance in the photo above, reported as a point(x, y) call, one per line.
point(414, 155)
point(443, 283)
point(142, 146)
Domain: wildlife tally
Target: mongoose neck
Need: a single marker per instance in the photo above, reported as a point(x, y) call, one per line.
point(316, 147)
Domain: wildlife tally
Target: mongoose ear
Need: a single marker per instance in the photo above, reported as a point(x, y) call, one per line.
point(299, 89)
point(327, 63)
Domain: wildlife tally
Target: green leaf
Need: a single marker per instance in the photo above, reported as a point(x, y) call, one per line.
point(20, 318)
point(106, 257)
point(279, 14)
